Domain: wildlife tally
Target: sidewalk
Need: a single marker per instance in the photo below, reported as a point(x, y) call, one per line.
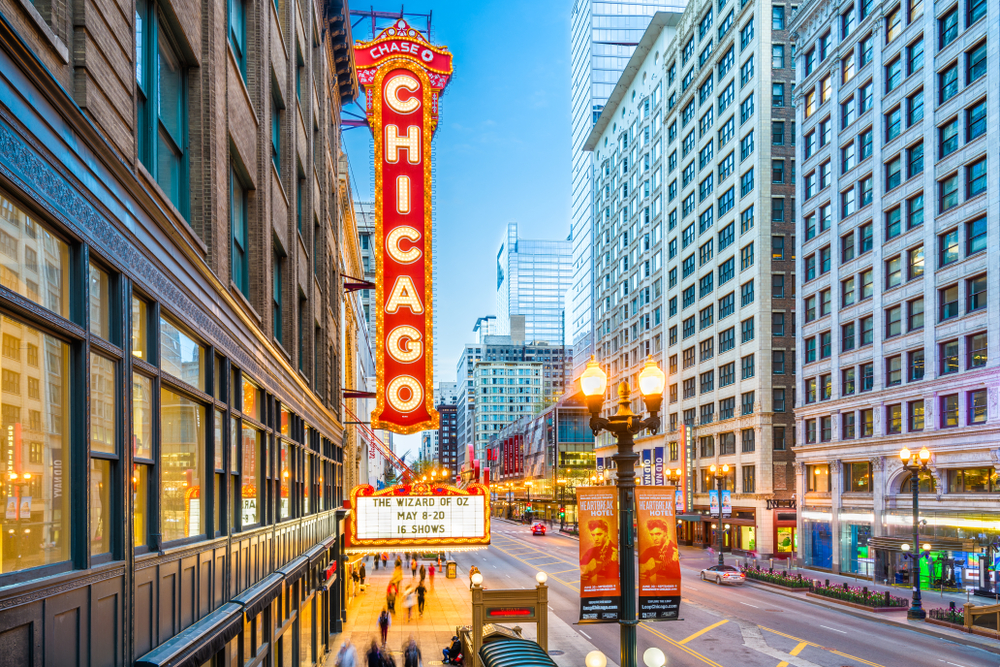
point(449, 604)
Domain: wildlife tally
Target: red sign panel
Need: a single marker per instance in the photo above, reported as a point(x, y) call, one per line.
point(403, 76)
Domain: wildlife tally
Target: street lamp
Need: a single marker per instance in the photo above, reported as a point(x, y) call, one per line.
point(915, 463)
point(623, 426)
point(720, 474)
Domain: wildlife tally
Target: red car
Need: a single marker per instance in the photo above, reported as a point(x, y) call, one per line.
point(538, 529)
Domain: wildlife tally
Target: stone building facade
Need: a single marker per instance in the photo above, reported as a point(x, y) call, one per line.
point(693, 254)
point(898, 344)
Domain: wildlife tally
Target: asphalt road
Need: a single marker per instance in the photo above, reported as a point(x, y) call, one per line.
point(727, 626)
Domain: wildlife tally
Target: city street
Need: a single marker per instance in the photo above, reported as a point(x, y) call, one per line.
point(739, 626)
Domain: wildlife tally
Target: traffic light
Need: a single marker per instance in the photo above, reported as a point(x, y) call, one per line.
point(562, 512)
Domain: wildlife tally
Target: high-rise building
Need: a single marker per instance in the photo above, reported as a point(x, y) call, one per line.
point(693, 156)
point(604, 35)
point(895, 334)
point(447, 455)
point(555, 360)
point(505, 391)
point(532, 281)
point(364, 212)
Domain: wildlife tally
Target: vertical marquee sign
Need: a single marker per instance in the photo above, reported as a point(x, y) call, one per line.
point(403, 76)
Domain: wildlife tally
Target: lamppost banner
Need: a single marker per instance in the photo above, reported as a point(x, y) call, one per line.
point(647, 467)
point(600, 586)
point(658, 460)
point(659, 560)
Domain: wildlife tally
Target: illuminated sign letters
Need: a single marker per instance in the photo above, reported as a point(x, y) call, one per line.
point(403, 76)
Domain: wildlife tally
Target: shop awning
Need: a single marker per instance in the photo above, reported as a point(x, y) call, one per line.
point(254, 599)
point(514, 653)
point(937, 543)
point(294, 569)
point(198, 642)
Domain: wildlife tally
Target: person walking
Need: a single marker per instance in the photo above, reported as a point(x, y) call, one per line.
point(374, 656)
point(421, 597)
point(384, 623)
point(411, 656)
point(430, 571)
point(347, 656)
point(423, 573)
point(413, 566)
point(390, 596)
point(378, 561)
point(385, 559)
point(409, 602)
point(362, 573)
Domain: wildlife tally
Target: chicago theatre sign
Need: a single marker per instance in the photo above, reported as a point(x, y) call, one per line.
point(403, 76)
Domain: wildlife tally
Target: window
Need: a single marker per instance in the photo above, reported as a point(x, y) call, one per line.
point(915, 416)
point(893, 124)
point(948, 28)
point(915, 314)
point(976, 10)
point(746, 330)
point(867, 373)
point(894, 24)
point(893, 173)
point(746, 72)
point(975, 236)
point(746, 109)
point(747, 445)
point(975, 184)
point(848, 67)
point(276, 113)
point(778, 286)
point(777, 94)
point(818, 477)
point(746, 294)
point(894, 418)
point(915, 262)
point(183, 419)
point(867, 284)
point(746, 34)
point(893, 74)
point(238, 225)
point(915, 207)
point(865, 144)
point(948, 83)
point(746, 367)
point(976, 351)
point(746, 146)
point(746, 220)
point(949, 192)
point(847, 381)
point(894, 370)
point(238, 33)
point(777, 17)
point(277, 298)
point(915, 160)
point(949, 357)
point(949, 411)
point(866, 46)
point(948, 298)
point(948, 134)
point(975, 121)
point(727, 374)
point(778, 133)
point(975, 63)
point(915, 52)
point(749, 472)
point(847, 426)
point(181, 355)
point(848, 111)
point(847, 292)
point(847, 23)
point(746, 403)
point(778, 358)
point(915, 108)
point(975, 289)
point(893, 272)
point(161, 80)
point(867, 331)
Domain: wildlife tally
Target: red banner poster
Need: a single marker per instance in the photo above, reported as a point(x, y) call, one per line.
point(600, 584)
point(659, 559)
point(403, 76)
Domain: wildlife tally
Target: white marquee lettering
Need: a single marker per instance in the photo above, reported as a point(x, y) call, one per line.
point(402, 195)
point(392, 94)
point(394, 393)
point(404, 344)
point(396, 252)
point(404, 295)
point(394, 143)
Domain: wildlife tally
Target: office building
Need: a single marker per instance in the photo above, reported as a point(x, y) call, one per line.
point(693, 157)
point(532, 281)
point(447, 439)
point(896, 213)
point(505, 391)
point(604, 35)
point(174, 489)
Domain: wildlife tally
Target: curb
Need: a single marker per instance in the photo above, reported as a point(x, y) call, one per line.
point(965, 638)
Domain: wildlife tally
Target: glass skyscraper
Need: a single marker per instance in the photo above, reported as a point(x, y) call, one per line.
point(532, 280)
point(604, 34)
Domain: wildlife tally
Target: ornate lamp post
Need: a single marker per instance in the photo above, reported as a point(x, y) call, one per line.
point(915, 463)
point(720, 474)
point(624, 425)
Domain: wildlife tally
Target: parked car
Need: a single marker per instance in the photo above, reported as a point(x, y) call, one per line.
point(723, 574)
point(538, 529)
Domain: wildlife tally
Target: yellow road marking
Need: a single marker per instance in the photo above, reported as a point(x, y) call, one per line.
point(794, 651)
point(809, 643)
point(704, 630)
point(678, 645)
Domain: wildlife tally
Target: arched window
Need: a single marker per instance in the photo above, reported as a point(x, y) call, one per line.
point(927, 483)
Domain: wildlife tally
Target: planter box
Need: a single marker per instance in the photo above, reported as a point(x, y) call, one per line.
point(768, 584)
point(947, 624)
point(854, 605)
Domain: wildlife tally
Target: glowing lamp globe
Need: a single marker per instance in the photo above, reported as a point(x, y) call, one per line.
point(654, 657)
point(596, 659)
point(594, 381)
point(904, 455)
point(904, 546)
point(927, 546)
point(725, 467)
point(651, 379)
point(477, 579)
point(925, 455)
point(541, 577)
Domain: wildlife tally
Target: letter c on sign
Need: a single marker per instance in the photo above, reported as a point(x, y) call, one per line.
point(392, 240)
point(392, 94)
point(397, 401)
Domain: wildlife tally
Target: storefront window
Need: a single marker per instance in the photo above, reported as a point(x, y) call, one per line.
point(182, 451)
point(140, 490)
point(973, 480)
point(35, 464)
point(860, 477)
point(36, 263)
point(818, 477)
point(102, 404)
point(285, 420)
point(818, 539)
point(306, 633)
point(855, 531)
point(100, 506)
point(251, 476)
point(786, 540)
point(251, 399)
point(181, 356)
point(927, 483)
point(306, 483)
point(286, 477)
point(748, 538)
point(100, 310)
point(139, 316)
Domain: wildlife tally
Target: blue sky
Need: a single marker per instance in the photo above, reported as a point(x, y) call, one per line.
point(502, 150)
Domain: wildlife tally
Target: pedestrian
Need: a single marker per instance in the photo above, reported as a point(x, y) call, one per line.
point(384, 623)
point(472, 571)
point(423, 573)
point(413, 566)
point(407, 554)
point(390, 597)
point(347, 656)
point(374, 657)
point(378, 561)
point(452, 652)
point(362, 574)
point(385, 559)
point(409, 602)
point(430, 571)
point(421, 596)
point(411, 656)
point(356, 579)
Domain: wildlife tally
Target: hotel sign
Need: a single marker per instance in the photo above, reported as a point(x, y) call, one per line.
point(403, 76)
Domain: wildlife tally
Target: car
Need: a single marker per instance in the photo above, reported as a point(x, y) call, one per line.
point(538, 529)
point(723, 574)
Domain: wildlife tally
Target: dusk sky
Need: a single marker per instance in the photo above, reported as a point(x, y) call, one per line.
point(505, 129)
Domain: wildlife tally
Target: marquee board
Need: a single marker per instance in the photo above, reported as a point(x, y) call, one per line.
point(415, 516)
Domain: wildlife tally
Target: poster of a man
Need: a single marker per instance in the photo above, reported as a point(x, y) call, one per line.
point(659, 563)
point(599, 563)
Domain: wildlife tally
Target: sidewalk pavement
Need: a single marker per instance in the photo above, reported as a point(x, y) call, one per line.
point(448, 605)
